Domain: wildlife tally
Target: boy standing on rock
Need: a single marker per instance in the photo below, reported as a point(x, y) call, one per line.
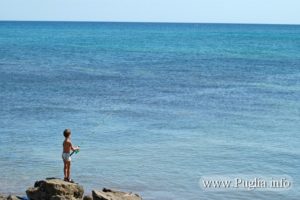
point(66, 155)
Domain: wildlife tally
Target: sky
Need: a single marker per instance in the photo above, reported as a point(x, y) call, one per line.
point(201, 11)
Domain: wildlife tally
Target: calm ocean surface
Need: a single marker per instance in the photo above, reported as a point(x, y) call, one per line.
point(153, 106)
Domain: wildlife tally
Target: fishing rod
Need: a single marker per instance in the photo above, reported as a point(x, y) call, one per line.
point(75, 151)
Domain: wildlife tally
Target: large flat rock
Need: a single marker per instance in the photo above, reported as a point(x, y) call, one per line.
point(55, 189)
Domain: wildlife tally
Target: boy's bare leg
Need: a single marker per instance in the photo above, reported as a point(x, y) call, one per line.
point(65, 169)
point(68, 169)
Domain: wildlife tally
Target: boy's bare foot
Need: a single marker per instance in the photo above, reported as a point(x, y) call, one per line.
point(71, 181)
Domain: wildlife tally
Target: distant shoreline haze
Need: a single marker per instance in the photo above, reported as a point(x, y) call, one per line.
point(170, 11)
point(149, 22)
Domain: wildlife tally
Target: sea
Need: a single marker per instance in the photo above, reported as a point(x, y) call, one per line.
point(154, 107)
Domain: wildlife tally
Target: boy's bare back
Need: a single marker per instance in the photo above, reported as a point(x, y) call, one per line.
point(67, 146)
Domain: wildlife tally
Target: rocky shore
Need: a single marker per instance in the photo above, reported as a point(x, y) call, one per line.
point(57, 189)
point(10, 197)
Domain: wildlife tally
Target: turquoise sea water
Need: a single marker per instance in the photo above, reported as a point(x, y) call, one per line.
point(153, 106)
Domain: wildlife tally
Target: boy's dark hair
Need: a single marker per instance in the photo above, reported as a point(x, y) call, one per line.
point(67, 132)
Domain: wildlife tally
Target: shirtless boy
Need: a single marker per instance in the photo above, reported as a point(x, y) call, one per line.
point(66, 155)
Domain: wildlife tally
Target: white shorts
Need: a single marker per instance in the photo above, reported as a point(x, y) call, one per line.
point(66, 157)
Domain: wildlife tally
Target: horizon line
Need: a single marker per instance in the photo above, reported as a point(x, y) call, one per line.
point(152, 22)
